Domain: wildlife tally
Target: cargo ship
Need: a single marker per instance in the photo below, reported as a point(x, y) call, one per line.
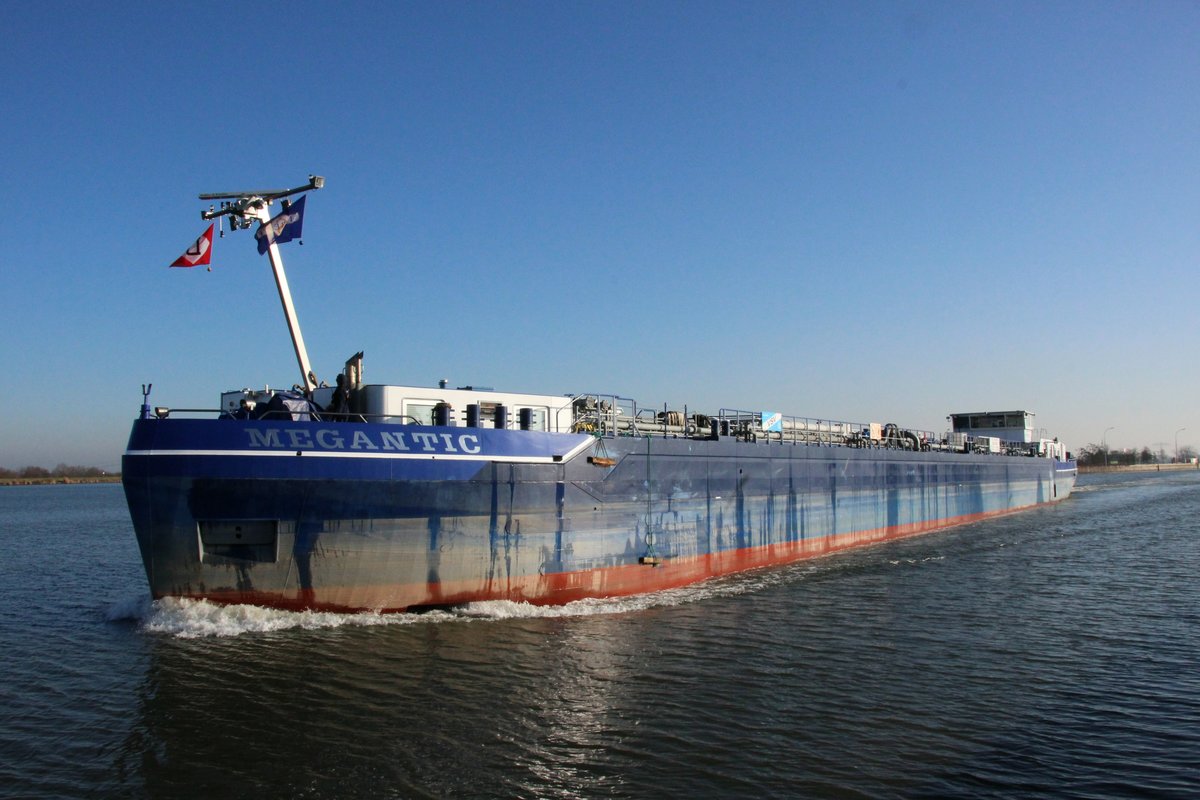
point(368, 496)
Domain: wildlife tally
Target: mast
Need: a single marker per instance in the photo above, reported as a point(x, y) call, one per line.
point(243, 208)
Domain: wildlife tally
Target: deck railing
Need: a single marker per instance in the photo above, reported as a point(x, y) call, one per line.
point(610, 415)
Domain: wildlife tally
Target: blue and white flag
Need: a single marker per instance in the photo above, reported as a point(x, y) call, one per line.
point(288, 225)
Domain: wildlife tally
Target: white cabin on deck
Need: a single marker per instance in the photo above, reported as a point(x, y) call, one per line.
point(1011, 426)
point(466, 406)
point(1006, 426)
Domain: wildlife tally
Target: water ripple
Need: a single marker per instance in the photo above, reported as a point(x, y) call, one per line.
point(1047, 654)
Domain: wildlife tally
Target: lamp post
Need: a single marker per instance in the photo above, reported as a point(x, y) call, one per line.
point(1177, 444)
point(1104, 442)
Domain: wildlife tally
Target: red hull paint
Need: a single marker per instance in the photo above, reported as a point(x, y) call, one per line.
point(565, 587)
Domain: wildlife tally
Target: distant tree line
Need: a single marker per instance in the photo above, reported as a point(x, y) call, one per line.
point(61, 471)
point(1097, 455)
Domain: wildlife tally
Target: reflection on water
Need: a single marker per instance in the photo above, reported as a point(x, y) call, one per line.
point(1048, 653)
point(532, 697)
point(430, 705)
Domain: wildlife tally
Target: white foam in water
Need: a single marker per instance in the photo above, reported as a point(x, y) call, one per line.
point(189, 619)
point(510, 609)
point(727, 586)
point(895, 562)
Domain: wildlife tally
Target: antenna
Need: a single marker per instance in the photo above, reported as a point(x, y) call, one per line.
point(243, 209)
point(146, 387)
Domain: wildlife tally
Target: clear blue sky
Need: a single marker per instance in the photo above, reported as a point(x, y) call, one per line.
point(860, 211)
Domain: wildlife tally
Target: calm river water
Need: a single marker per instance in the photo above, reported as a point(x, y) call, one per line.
point(1054, 653)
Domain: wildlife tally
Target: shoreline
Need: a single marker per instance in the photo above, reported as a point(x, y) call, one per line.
point(54, 480)
point(1139, 468)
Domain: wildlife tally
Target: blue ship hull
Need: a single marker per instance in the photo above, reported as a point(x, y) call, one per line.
point(353, 516)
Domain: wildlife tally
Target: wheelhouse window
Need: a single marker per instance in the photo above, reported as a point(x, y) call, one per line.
point(419, 411)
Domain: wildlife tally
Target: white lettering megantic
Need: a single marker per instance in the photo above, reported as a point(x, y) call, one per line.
point(333, 439)
point(264, 438)
point(330, 440)
point(299, 437)
point(426, 440)
point(361, 440)
point(392, 441)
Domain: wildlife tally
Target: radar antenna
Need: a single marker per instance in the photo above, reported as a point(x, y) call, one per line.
point(243, 209)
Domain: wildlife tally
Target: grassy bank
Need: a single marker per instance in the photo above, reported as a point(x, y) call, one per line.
point(61, 479)
point(1140, 468)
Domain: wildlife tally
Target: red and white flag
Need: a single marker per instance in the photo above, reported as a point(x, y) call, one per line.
point(199, 253)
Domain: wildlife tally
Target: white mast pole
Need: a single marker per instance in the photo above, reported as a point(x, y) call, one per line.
point(245, 206)
point(308, 380)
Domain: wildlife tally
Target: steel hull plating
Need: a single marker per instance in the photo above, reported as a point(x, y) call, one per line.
point(390, 517)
